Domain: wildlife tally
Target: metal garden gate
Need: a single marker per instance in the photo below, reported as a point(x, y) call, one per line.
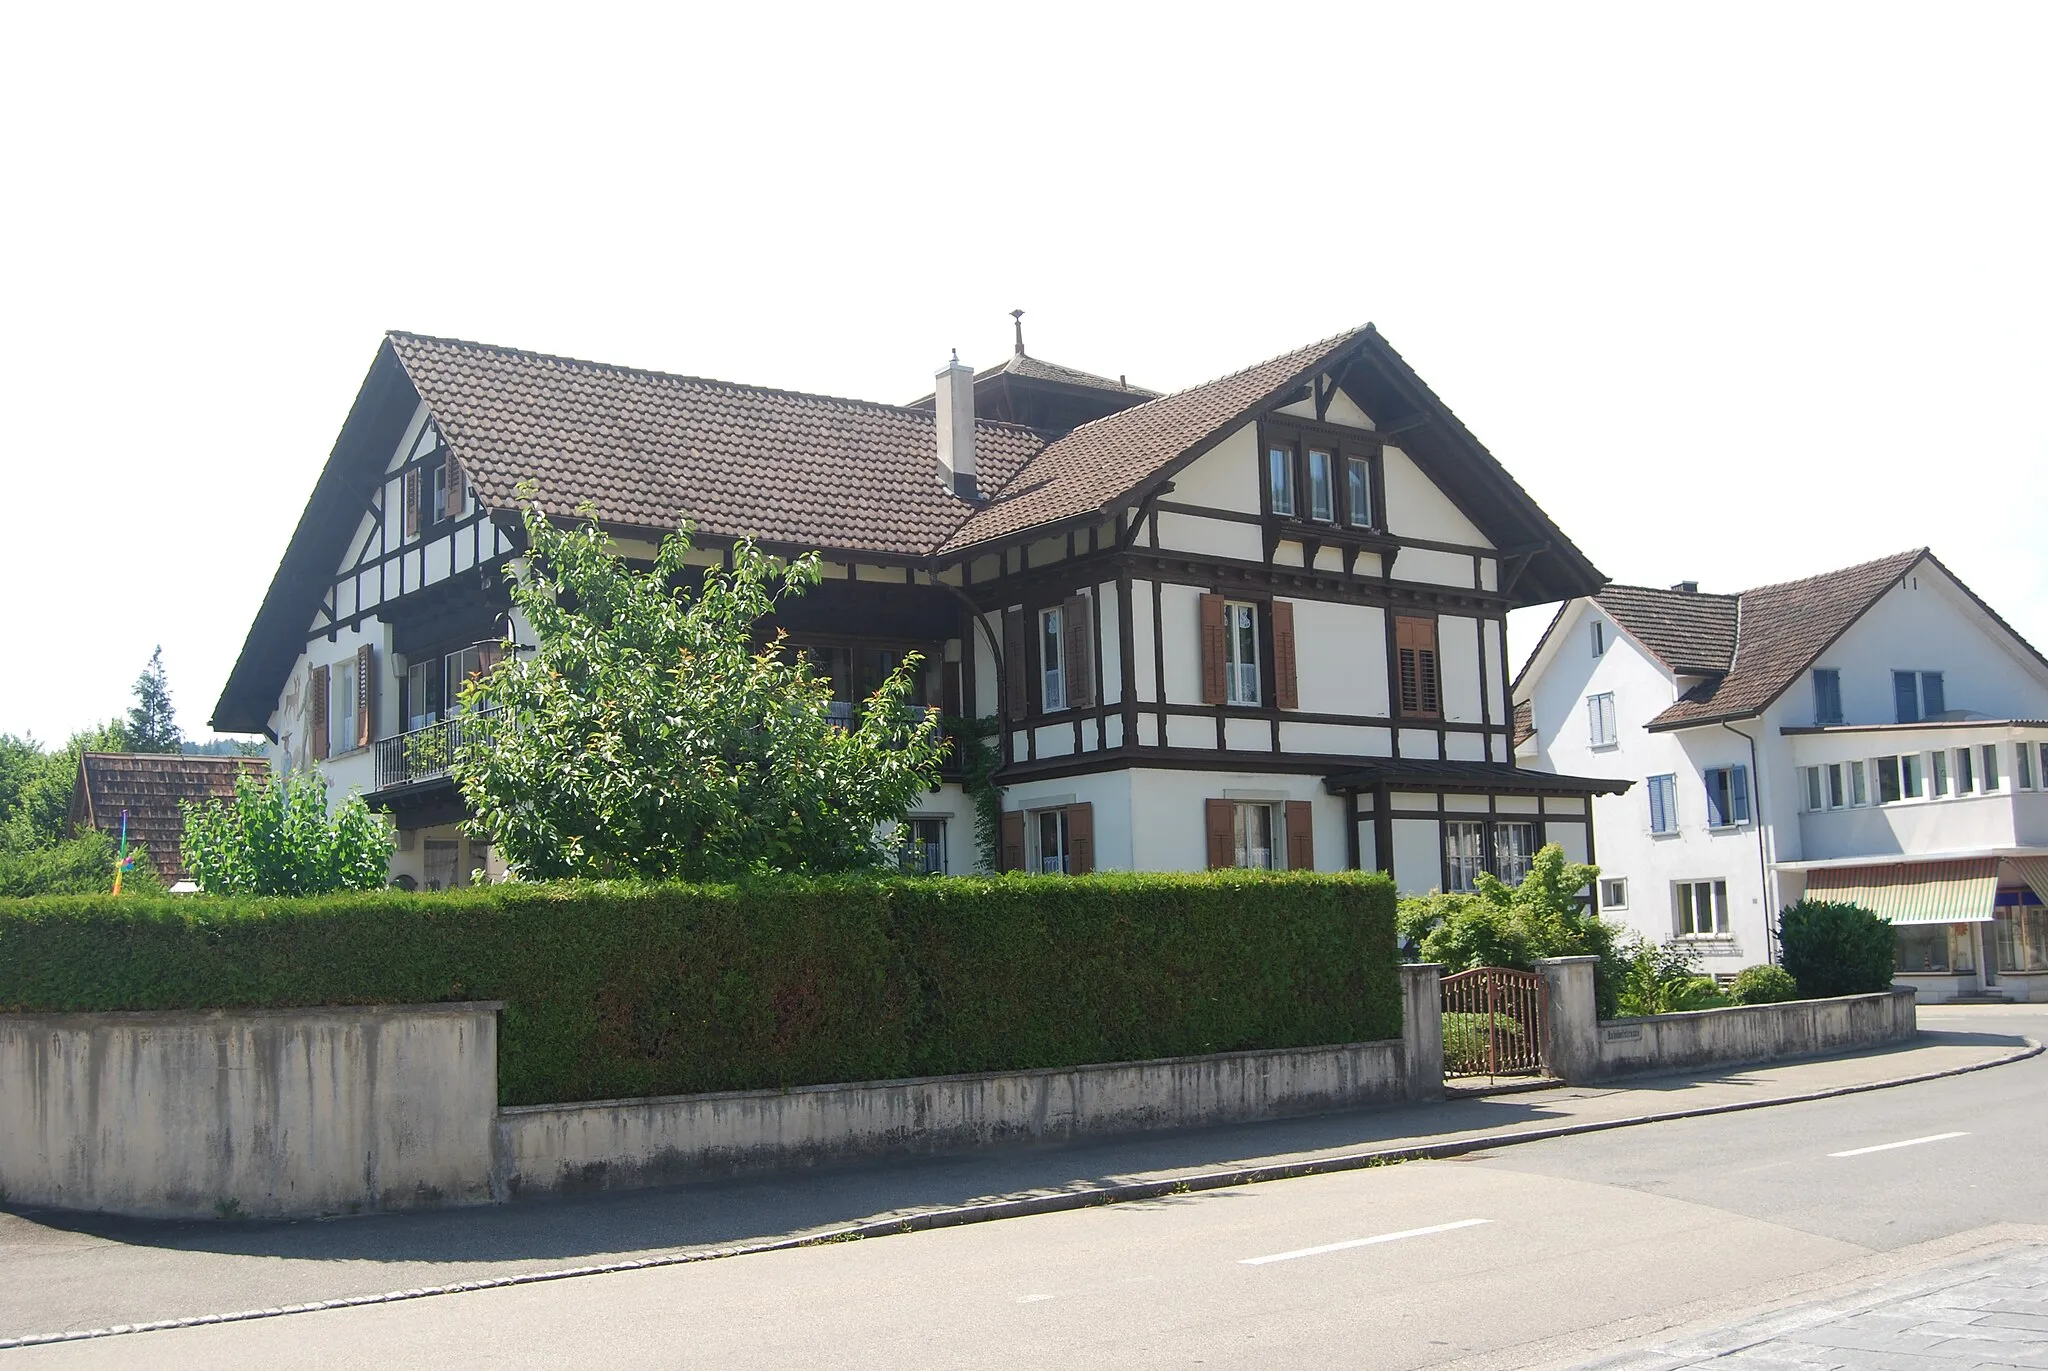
point(1494, 1022)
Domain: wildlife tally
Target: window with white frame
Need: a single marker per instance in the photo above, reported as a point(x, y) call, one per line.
point(1052, 657)
point(1701, 908)
point(1358, 491)
point(1599, 636)
point(1464, 849)
point(1280, 478)
point(1898, 778)
point(1989, 753)
point(1663, 793)
point(1614, 892)
point(1918, 695)
point(1859, 788)
point(1049, 835)
point(422, 694)
point(1600, 730)
point(1514, 846)
point(1966, 772)
point(1812, 780)
point(1322, 486)
point(1727, 796)
point(341, 707)
point(1241, 652)
point(2023, 766)
point(921, 850)
point(1252, 837)
point(1937, 773)
point(1827, 696)
point(461, 668)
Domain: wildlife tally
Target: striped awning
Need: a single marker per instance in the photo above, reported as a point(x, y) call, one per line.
point(2034, 871)
point(1915, 892)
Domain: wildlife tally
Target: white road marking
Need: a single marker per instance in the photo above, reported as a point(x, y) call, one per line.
point(1910, 1142)
point(1033, 1299)
point(1362, 1242)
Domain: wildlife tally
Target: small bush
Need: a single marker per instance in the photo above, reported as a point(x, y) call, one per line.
point(83, 865)
point(1763, 985)
point(1663, 979)
point(1837, 949)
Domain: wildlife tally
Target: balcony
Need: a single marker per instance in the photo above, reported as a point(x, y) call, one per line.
point(1912, 789)
point(423, 754)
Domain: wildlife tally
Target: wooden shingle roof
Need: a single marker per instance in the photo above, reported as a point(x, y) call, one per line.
point(151, 787)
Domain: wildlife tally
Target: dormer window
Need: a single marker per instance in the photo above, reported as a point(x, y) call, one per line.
point(1280, 478)
point(1322, 489)
point(1358, 492)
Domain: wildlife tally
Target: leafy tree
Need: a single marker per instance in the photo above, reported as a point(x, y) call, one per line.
point(36, 785)
point(1837, 949)
point(83, 865)
point(1541, 917)
point(653, 736)
point(276, 838)
point(153, 724)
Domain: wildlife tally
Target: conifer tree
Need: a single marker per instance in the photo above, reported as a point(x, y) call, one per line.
point(152, 724)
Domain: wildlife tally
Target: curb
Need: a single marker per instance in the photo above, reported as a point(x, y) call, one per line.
point(1122, 1192)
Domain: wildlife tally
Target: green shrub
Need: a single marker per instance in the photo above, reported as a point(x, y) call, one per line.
point(83, 865)
point(1513, 926)
point(635, 990)
point(1837, 949)
point(1763, 985)
point(1663, 979)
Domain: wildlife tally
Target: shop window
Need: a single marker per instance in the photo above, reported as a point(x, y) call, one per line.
point(1923, 948)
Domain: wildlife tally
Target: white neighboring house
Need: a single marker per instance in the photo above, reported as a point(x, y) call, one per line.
point(1875, 734)
point(1257, 622)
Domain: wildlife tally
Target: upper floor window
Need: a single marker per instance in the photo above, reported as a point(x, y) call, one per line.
point(2023, 767)
point(422, 694)
point(1241, 652)
point(1280, 478)
point(1918, 695)
point(1322, 486)
point(1898, 778)
point(1663, 793)
point(1358, 492)
point(1966, 772)
point(341, 707)
point(1599, 638)
point(1416, 667)
point(1052, 654)
point(1937, 773)
point(1990, 754)
point(1727, 796)
point(1600, 720)
point(1827, 696)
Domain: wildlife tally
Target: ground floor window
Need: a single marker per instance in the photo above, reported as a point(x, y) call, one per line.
point(1514, 846)
point(1050, 833)
point(922, 847)
point(1923, 948)
point(1702, 908)
point(2022, 938)
point(1252, 837)
point(1464, 854)
point(1614, 892)
point(443, 863)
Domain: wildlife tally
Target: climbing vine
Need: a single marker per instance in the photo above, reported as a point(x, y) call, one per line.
point(979, 758)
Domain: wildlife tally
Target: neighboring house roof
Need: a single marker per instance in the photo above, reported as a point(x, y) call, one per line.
point(151, 787)
point(651, 450)
point(1691, 633)
point(1525, 722)
point(1024, 365)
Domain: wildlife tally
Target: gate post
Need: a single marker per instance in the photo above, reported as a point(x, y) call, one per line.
point(1422, 1030)
point(1571, 1048)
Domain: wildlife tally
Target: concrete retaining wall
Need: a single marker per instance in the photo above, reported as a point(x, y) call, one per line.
point(1583, 1049)
point(249, 1112)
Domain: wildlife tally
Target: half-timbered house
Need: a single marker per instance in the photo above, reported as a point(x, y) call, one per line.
point(1256, 622)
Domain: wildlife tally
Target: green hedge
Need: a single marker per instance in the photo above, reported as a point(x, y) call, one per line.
point(621, 991)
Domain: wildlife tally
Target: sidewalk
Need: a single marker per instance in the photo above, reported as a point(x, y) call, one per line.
point(67, 1272)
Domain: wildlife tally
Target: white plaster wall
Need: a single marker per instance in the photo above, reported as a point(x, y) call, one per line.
point(1109, 657)
point(1418, 855)
point(1169, 821)
point(1340, 658)
point(1429, 567)
point(1416, 508)
point(951, 803)
point(1181, 624)
point(1457, 644)
point(1144, 677)
point(985, 670)
point(1110, 794)
point(1224, 477)
point(1210, 537)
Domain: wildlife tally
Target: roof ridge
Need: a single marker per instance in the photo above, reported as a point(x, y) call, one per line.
point(1666, 590)
point(1344, 335)
point(648, 373)
point(1910, 554)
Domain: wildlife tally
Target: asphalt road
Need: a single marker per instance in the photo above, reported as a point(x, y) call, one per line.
point(1484, 1261)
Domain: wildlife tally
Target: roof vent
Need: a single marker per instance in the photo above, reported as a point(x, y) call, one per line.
point(953, 397)
point(1687, 587)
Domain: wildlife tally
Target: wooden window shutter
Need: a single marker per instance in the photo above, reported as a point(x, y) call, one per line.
point(451, 504)
point(1301, 836)
point(1079, 631)
point(1013, 841)
point(1016, 670)
point(1222, 823)
point(1286, 689)
point(318, 704)
point(1415, 647)
point(1080, 839)
point(1215, 671)
point(412, 503)
point(366, 696)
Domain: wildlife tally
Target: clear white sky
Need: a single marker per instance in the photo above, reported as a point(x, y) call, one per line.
point(1739, 292)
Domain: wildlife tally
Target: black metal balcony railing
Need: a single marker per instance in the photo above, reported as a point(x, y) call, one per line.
point(423, 754)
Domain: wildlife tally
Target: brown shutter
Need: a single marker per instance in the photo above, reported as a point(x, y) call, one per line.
point(1415, 646)
point(366, 696)
point(1215, 679)
point(451, 503)
point(1286, 690)
point(1013, 841)
point(412, 503)
point(1080, 646)
point(1301, 836)
point(1016, 670)
point(318, 697)
point(1222, 820)
point(1080, 839)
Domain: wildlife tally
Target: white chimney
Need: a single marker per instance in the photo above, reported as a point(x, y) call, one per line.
point(954, 394)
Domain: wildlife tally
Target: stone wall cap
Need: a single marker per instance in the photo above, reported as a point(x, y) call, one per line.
point(1564, 961)
point(82, 1018)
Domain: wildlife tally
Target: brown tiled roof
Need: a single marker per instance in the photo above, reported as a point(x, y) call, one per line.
point(1024, 364)
point(1691, 633)
point(1525, 722)
point(150, 786)
point(1780, 629)
point(1101, 462)
point(650, 450)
